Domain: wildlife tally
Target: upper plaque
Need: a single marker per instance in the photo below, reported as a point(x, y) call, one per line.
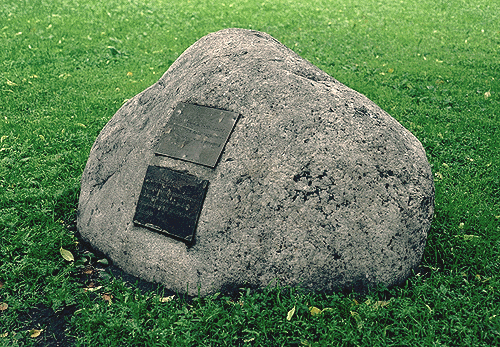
point(196, 134)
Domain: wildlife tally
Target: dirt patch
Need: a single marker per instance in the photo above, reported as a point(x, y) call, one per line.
point(53, 325)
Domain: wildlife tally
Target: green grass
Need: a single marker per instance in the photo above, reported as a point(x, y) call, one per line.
point(67, 66)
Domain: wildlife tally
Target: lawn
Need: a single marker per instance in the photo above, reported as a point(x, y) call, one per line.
point(67, 66)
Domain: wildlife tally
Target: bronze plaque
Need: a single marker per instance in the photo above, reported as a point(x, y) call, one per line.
point(196, 134)
point(170, 202)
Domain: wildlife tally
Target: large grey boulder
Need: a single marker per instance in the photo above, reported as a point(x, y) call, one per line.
point(317, 186)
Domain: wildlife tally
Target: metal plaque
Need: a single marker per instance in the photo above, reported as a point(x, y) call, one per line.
point(196, 134)
point(170, 202)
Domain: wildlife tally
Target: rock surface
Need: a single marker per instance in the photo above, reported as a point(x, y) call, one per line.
point(317, 186)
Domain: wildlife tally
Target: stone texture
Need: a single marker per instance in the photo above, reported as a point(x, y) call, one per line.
point(317, 186)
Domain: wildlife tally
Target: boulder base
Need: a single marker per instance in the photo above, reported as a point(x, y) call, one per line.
point(317, 186)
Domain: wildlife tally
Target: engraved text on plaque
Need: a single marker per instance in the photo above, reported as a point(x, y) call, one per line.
point(196, 134)
point(170, 202)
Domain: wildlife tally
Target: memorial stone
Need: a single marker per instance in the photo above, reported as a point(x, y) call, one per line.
point(245, 165)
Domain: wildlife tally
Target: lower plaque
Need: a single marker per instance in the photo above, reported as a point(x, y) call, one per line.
point(170, 202)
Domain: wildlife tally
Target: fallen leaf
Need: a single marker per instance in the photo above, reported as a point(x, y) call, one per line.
point(103, 261)
point(470, 237)
point(391, 70)
point(67, 255)
point(381, 304)
point(114, 51)
point(167, 298)
point(107, 297)
point(357, 318)
point(4, 335)
point(10, 83)
point(1, 284)
point(438, 175)
point(93, 289)
point(3, 306)
point(314, 311)
point(129, 74)
point(487, 95)
point(35, 332)
point(384, 334)
point(88, 271)
point(290, 314)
